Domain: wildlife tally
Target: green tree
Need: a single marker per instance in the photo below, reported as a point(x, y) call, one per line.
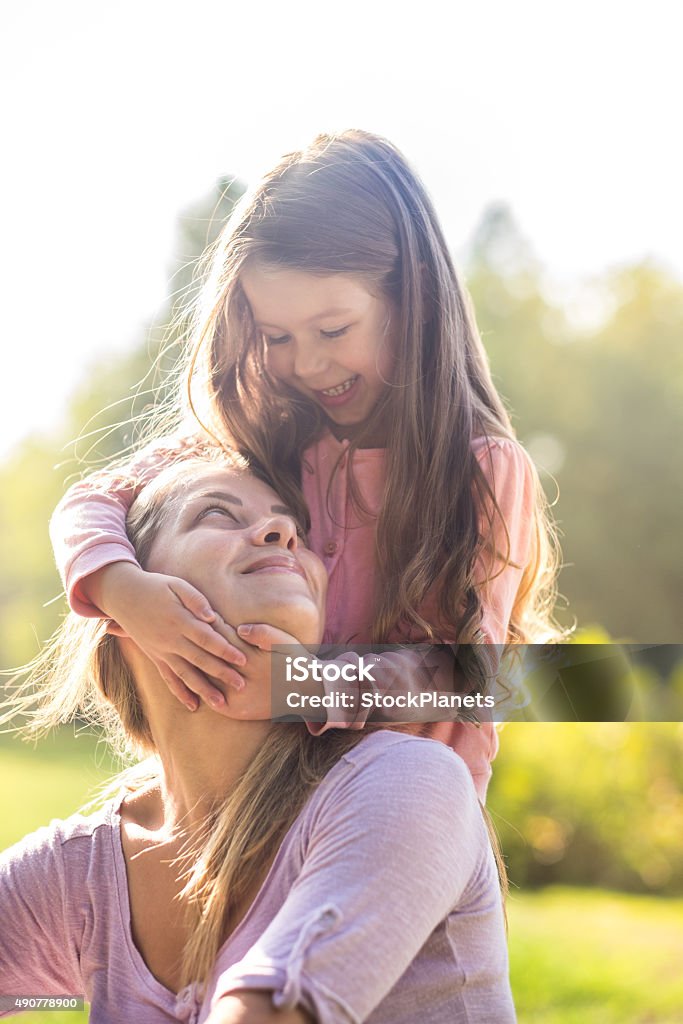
point(602, 409)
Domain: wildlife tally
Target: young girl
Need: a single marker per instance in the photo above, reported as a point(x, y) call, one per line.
point(334, 346)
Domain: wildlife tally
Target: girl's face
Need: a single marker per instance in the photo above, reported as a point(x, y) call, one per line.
point(328, 337)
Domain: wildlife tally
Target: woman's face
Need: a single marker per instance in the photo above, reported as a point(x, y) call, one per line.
point(229, 535)
point(327, 337)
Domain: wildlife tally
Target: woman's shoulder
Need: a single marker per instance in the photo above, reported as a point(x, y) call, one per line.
point(406, 769)
point(396, 788)
point(397, 746)
point(67, 844)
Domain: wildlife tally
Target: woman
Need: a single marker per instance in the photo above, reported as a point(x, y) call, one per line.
point(250, 871)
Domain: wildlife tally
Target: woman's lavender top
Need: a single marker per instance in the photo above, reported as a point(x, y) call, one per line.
point(382, 905)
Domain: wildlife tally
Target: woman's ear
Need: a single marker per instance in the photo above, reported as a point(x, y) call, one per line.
point(114, 629)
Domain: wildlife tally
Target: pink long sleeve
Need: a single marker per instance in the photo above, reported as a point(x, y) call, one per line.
point(88, 527)
point(511, 477)
point(509, 472)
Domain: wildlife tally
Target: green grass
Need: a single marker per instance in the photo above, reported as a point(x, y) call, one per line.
point(578, 956)
point(586, 956)
point(50, 780)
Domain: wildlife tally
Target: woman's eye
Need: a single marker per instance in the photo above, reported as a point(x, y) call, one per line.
point(335, 334)
point(219, 510)
point(280, 340)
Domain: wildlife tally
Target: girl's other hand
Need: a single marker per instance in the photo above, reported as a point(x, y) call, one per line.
point(172, 623)
point(268, 666)
point(257, 640)
point(265, 636)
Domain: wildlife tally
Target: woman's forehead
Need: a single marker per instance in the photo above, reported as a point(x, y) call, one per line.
point(228, 482)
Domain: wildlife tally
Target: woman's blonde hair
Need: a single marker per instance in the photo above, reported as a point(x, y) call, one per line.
point(350, 204)
point(82, 674)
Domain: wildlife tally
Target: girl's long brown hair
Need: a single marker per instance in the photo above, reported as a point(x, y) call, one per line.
point(351, 204)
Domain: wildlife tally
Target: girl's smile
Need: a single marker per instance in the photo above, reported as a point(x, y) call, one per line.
point(328, 337)
point(339, 395)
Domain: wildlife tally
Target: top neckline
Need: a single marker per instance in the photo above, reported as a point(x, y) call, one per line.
point(172, 1001)
point(331, 441)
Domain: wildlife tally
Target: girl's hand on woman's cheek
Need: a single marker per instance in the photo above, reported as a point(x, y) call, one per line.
point(173, 624)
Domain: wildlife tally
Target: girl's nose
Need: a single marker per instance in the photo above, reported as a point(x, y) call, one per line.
point(278, 531)
point(310, 361)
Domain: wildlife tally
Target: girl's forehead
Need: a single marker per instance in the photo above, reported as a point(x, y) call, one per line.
point(281, 291)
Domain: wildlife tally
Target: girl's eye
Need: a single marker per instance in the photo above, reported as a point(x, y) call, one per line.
point(281, 340)
point(335, 334)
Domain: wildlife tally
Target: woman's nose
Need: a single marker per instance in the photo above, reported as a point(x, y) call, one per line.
point(278, 531)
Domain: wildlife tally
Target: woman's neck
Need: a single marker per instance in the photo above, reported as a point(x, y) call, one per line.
point(202, 760)
point(202, 753)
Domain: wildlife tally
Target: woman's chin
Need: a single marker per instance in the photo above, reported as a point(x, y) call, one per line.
point(301, 621)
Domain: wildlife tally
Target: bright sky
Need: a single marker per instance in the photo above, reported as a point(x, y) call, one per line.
point(121, 114)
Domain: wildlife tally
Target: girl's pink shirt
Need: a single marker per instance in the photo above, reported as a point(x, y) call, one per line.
point(88, 531)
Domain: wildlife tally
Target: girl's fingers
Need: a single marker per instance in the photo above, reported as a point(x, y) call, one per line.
point(199, 684)
point(263, 636)
point(212, 666)
point(211, 641)
point(178, 688)
point(195, 602)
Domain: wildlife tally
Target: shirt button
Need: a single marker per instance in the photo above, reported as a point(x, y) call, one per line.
point(330, 547)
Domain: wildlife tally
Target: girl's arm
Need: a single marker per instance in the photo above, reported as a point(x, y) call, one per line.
point(511, 476)
point(396, 843)
point(170, 620)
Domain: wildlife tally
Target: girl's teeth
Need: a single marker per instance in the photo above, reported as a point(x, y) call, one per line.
point(341, 388)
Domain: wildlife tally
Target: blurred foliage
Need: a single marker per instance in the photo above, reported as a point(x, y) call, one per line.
point(600, 408)
point(591, 802)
